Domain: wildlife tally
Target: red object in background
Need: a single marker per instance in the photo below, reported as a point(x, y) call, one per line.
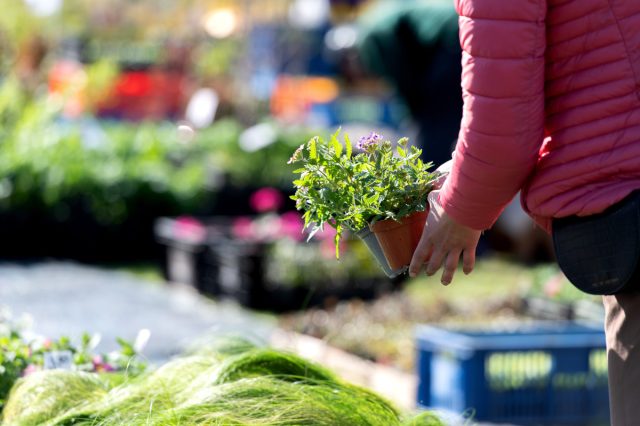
point(154, 94)
point(134, 83)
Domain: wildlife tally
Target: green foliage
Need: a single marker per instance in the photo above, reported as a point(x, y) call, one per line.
point(350, 191)
point(216, 59)
point(19, 356)
point(228, 384)
point(112, 170)
point(425, 419)
point(292, 263)
point(14, 359)
point(48, 165)
point(265, 166)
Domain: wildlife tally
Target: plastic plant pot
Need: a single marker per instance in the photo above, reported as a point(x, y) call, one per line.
point(399, 239)
point(369, 239)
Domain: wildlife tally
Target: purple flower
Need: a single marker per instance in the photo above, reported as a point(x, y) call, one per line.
point(367, 142)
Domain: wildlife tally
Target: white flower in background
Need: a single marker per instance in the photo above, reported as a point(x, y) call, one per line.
point(95, 341)
point(141, 340)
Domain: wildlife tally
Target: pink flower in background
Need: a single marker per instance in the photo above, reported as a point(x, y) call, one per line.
point(291, 224)
point(328, 248)
point(189, 228)
point(242, 228)
point(327, 234)
point(266, 199)
point(100, 366)
point(31, 368)
point(326, 237)
point(104, 368)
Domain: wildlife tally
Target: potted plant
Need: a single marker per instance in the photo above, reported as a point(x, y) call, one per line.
point(381, 188)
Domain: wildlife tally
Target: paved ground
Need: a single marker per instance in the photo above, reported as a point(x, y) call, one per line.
point(68, 299)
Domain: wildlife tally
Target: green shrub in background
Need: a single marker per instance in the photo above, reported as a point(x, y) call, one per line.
point(292, 263)
point(108, 181)
point(46, 161)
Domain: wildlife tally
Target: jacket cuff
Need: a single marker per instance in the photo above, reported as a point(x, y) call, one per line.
point(481, 218)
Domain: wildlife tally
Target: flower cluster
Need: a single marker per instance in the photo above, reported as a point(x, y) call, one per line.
point(369, 143)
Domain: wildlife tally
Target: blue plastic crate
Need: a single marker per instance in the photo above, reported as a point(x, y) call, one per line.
point(541, 373)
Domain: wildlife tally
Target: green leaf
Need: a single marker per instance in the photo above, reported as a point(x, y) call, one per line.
point(307, 218)
point(402, 152)
point(371, 199)
point(337, 146)
point(86, 338)
point(348, 146)
point(313, 148)
point(125, 347)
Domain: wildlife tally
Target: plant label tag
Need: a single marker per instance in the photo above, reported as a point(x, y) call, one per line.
point(58, 360)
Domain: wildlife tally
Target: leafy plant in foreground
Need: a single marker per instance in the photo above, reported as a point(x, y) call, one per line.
point(350, 190)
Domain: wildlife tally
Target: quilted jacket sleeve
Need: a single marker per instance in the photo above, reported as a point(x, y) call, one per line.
point(503, 43)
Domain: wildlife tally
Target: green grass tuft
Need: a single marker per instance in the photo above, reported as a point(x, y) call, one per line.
point(232, 383)
point(42, 396)
point(268, 362)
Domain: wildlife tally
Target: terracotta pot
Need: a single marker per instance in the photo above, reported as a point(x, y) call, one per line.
point(370, 240)
point(400, 239)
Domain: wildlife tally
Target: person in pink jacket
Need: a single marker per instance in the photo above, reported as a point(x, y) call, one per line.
point(551, 93)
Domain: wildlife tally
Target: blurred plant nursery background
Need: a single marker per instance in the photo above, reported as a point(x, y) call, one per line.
point(145, 213)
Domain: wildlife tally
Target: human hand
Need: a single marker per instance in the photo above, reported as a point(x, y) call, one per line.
point(444, 170)
point(443, 241)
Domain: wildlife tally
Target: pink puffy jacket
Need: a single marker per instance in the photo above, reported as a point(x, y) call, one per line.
point(551, 107)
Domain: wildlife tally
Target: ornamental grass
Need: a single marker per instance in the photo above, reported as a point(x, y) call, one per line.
point(228, 384)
